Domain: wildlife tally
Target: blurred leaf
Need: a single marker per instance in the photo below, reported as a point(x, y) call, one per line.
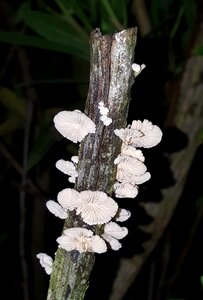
point(54, 29)
point(37, 42)
point(109, 19)
point(77, 10)
point(14, 111)
point(120, 9)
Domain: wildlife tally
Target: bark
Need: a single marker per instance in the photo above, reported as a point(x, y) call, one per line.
point(189, 119)
point(111, 78)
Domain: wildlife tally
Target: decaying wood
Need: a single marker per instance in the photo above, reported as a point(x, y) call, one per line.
point(111, 78)
point(189, 119)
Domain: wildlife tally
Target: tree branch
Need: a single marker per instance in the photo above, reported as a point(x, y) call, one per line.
point(111, 78)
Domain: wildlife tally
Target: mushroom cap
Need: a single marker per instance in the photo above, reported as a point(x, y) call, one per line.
point(132, 151)
point(74, 125)
point(67, 167)
point(56, 209)
point(114, 243)
point(140, 134)
point(122, 215)
point(149, 135)
point(68, 198)
point(130, 165)
point(96, 207)
point(98, 245)
point(82, 240)
point(114, 230)
point(125, 190)
point(46, 262)
point(126, 177)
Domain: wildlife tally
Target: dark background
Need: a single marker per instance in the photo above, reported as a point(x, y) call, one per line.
point(36, 83)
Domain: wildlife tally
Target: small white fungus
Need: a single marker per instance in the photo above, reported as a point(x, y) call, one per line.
point(74, 159)
point(114, 230)
point(150, 135)
point(114, 243)
point(104, 114)
point(67, 167)
point(74, 125)
point(98, 245)
point(96, 207)
point(140, 134)
point(82, 240)
point(46, 262)
point(68, 198)
point(56, 209)
point(125, 190)
point(130, 165)
point(137, 68)
point(106, 120)
point(122, 215)
point(132, 151)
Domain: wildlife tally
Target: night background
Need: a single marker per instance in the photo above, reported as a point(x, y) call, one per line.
point(44, 68)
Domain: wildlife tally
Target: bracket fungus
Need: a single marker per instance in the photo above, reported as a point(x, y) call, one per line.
point(68, 168)
point(46, 262)
point(125, 190)
point(122, 215)
point(68, 198)
point(74, 125)
point(82, 240)
point(56, 209)
point(96, 207)
point(140, 134)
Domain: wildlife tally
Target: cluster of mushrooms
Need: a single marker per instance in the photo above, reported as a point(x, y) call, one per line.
point(96, 207)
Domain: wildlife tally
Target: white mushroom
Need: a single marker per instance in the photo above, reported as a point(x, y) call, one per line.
point(68, 198)
point(130, 165)
point(122, 215)
point(106, 120)
point(74, 159)
point(140, 134)
point(114, 230)
point(132, 151)
point(74, 125)
point(98, 245)
point(46, 262)
point(56, 209)
point(137, 69)
point(82, 240)
point(96, 207)
point(150, 135)
point(114, 243)
point(67, 167)
point(125, 190)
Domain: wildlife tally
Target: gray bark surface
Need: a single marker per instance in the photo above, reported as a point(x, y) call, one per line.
point(111, 78)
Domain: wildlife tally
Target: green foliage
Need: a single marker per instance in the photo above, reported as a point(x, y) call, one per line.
point(37, 42)
point(68, 29)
